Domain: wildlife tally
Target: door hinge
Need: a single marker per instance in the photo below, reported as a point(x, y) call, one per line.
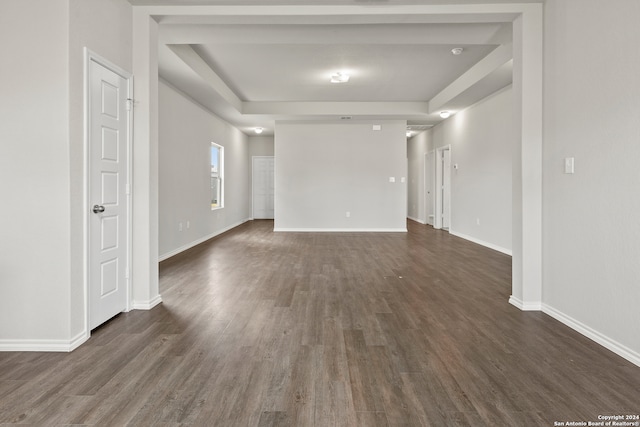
point(129, 104)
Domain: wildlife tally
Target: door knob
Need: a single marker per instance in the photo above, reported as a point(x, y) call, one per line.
point(98, 209)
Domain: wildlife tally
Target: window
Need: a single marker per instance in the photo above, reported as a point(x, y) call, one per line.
point(217, 189)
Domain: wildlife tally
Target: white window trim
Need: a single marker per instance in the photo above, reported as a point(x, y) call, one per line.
point(220, 174)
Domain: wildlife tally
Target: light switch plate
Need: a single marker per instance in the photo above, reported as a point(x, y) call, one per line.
point(569, 165)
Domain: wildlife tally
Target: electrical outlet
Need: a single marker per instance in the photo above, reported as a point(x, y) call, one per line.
point(477, 221)
point(348, 214)
point(179, 226)
point(188, 224)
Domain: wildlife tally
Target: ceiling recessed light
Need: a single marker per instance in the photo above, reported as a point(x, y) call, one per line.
point(339, 78)
point(258, 130)
point(445, 114)
point(457, 50)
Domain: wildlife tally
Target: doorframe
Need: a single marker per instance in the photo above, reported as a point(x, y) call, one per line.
point(90, 56)
point(437, 209)
point(253, 158)
point(528, 26)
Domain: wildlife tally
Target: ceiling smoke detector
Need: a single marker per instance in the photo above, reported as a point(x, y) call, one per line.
point(457, 50)
point(258, 130)
point(445, 114)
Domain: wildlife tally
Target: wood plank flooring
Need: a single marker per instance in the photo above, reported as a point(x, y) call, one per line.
point(322, 329)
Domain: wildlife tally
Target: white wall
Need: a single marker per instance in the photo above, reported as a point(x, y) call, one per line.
point(145, 286)
point(34, 173)
point(41, 170)
point(186, 133)
point(591, 239)
point(104, 27)
point(324, 170)
point(261, 146)
point(481, 139)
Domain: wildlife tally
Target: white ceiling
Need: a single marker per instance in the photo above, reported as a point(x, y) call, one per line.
point(253, 65)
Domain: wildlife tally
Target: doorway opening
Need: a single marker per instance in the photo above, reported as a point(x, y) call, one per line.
point(263, 187)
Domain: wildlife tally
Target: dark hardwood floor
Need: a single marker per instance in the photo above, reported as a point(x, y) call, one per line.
point(285, 329)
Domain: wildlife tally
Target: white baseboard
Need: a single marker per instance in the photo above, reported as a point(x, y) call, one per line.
point(525, 306)
point(146, 305)
point(79, 339)
point(619, 349)
point(183, 248)
point(341, 230)
point(482, 243)
point(417, 220)
point(44, 345)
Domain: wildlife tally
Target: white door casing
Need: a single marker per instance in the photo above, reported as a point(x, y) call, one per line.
point(446, 189)
point(263, 187)
point(108, 92)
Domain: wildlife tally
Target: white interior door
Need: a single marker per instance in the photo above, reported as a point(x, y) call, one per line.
point(263, 187)
point(429, 184)
point(108, 175)
point(446, 189)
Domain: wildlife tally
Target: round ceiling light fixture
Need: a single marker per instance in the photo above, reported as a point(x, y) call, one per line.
point(339, 78)
point(445, 114)
point(457, 50)
point(258, 130)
